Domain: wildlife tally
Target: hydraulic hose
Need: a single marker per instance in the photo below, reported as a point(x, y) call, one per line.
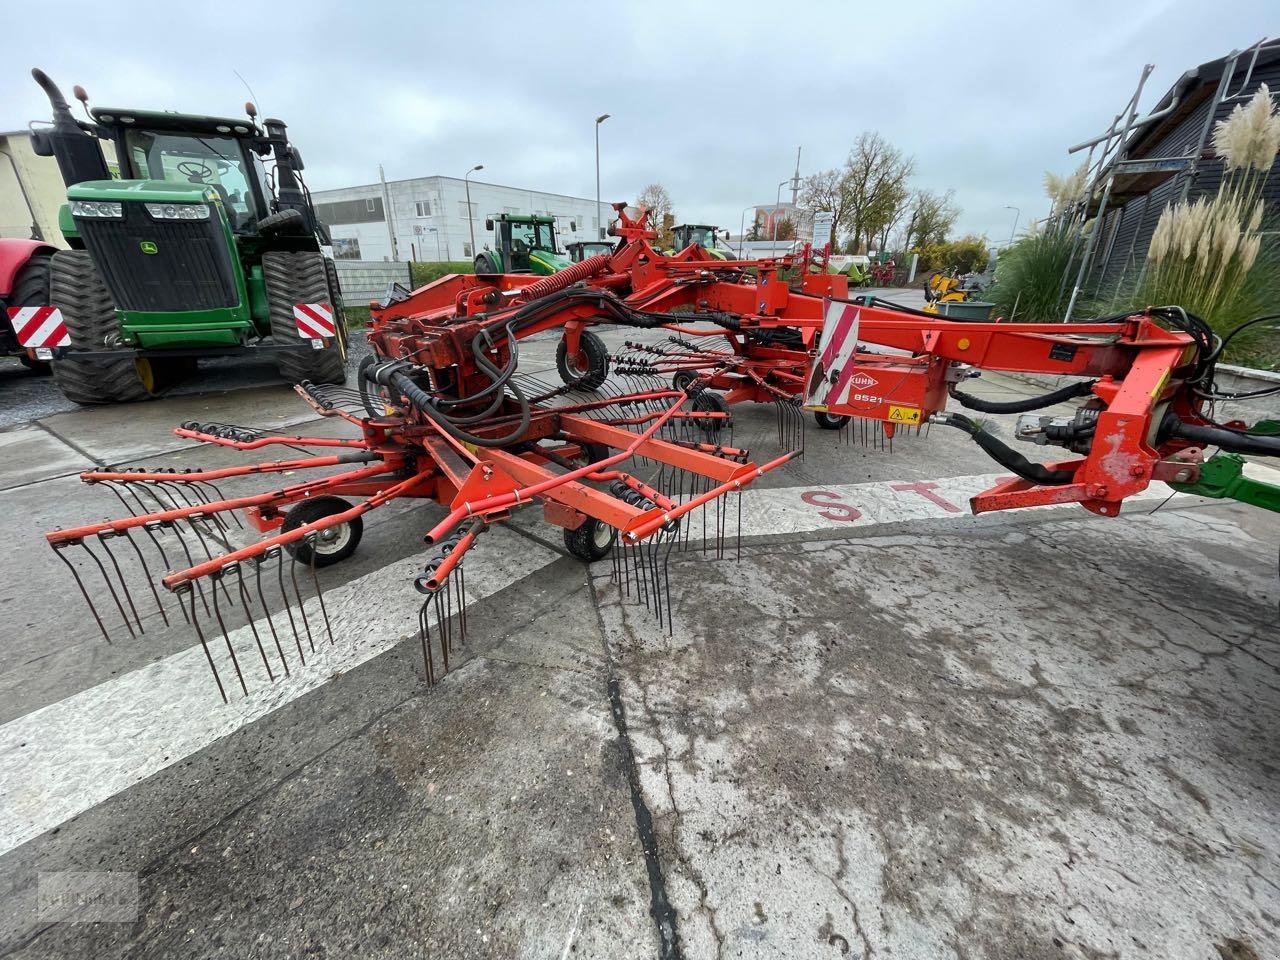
point(425, 404)
point(1082, 389)
point(1005, 455)
point(1234, 441)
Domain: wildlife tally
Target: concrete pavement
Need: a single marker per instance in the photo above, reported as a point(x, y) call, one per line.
point(911, 732)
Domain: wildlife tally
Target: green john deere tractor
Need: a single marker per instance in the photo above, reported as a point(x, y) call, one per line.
point(522, 243)
point(581, 250)
point(702, 235)
point(197, 250)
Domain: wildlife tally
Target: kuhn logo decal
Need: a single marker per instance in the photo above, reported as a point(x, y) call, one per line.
point(862, 381)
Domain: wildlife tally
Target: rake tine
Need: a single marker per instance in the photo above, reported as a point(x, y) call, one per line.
point(203, 499)
point(234, 514)
point(190, 563)
point(284, 599)
point(311, 540)
point(302, 607)
point(424, 637)
point(147, 573)
point(103, 537)
point(123, 502)
point(262, 598)
point(244, 602)
point(110, 587)
point(217, 612)
point(194, 619)
point(461, 575)
point(57, 549)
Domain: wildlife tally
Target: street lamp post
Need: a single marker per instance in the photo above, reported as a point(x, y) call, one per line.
point(1016, 214)
point(471, 221)
point(742, 226)
point(599, 223)
point(777, 203)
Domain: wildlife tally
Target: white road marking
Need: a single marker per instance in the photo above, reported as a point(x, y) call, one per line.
point(65, 758)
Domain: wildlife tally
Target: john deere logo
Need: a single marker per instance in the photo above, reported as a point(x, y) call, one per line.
point(146, 246)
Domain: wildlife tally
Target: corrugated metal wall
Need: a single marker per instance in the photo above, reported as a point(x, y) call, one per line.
point(363, 281)
point(1120, 259)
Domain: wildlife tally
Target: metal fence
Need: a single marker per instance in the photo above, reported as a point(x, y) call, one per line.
point(366, 280)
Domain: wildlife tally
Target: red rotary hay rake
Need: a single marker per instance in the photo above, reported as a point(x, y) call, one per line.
point(443, 413)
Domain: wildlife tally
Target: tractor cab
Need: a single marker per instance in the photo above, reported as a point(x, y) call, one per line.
point(581, 250)
point(522, 243)
point(701, 235)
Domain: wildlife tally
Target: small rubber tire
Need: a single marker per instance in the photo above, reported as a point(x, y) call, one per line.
point(335, 544)
point(828, 421)
point(594, 373)
point(683, 379)
point(481, 265)
point(708, 401)
point(592, 541)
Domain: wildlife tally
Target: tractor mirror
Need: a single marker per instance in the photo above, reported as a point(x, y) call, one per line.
point(488, 223)
point(251, 110)
point(296, 154)
point(80, 94)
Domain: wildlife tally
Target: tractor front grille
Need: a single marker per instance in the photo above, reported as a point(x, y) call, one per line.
point(191, 268)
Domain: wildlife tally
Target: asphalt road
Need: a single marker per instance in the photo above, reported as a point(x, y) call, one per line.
point(885, 728)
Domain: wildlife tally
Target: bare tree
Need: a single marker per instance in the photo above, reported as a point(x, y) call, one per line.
point(932, 217)
point(662, 214)
point(864, 196)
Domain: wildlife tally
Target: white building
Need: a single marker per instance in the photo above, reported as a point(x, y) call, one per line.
point(429, 217)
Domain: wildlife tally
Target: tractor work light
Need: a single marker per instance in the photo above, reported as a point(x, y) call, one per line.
point(97, 208)
point(178, 211)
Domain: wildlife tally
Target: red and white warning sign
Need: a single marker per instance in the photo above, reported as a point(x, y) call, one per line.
point(314, 320)
point(39, 326)
point(833, 369)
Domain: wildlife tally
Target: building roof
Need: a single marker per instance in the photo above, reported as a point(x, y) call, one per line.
point(474, 183)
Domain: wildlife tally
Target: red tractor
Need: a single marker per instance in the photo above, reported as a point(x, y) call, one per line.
point(24, 293)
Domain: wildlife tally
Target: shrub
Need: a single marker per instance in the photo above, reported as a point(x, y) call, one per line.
point(423, 273)
point(1028, 282)
point(964, 255)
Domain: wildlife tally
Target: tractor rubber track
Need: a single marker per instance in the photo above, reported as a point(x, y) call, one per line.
point(76, 288)
point(294, 278)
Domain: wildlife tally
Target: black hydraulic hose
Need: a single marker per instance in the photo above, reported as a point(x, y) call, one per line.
point(1236, 441)
point(425, 404)
point(1070, 392)
point(1005, 455)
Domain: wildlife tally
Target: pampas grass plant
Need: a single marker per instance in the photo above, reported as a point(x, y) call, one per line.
point(1208, 255)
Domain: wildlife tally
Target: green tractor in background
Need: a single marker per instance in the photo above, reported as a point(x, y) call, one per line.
point(581, 250)
point(197, 250)
point(522, 243)
point(702, 235)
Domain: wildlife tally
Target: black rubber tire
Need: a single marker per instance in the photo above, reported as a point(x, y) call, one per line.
point(31, 289)
point(708, 401)
point(592, 541)
point(594, 452)
point(308, 511)
point(294, 278)
point(481, 265)
point(597, 367)
point(828, 421)
point(76, 288)
point(682, 379)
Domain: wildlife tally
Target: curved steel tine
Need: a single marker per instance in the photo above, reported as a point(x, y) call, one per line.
point(253, 627)
point(302, 607)
point(461, 574)
point(424, 638)
point(234, 514)
point(204, 500)
point(103, 537)
point(110, 587)
point(217, 612)
point(194, 619)
point(57, 549)
point(284, 599)
point(191, 562)
point(266, 610)
point(315, 582)
point(146, 571)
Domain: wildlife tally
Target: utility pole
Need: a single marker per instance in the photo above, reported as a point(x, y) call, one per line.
point(795, 180)
point(471, 221)
point(388, 216)
point(777, 202)
point(599, 221)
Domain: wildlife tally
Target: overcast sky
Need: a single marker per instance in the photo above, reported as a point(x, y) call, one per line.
point(710, 99)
